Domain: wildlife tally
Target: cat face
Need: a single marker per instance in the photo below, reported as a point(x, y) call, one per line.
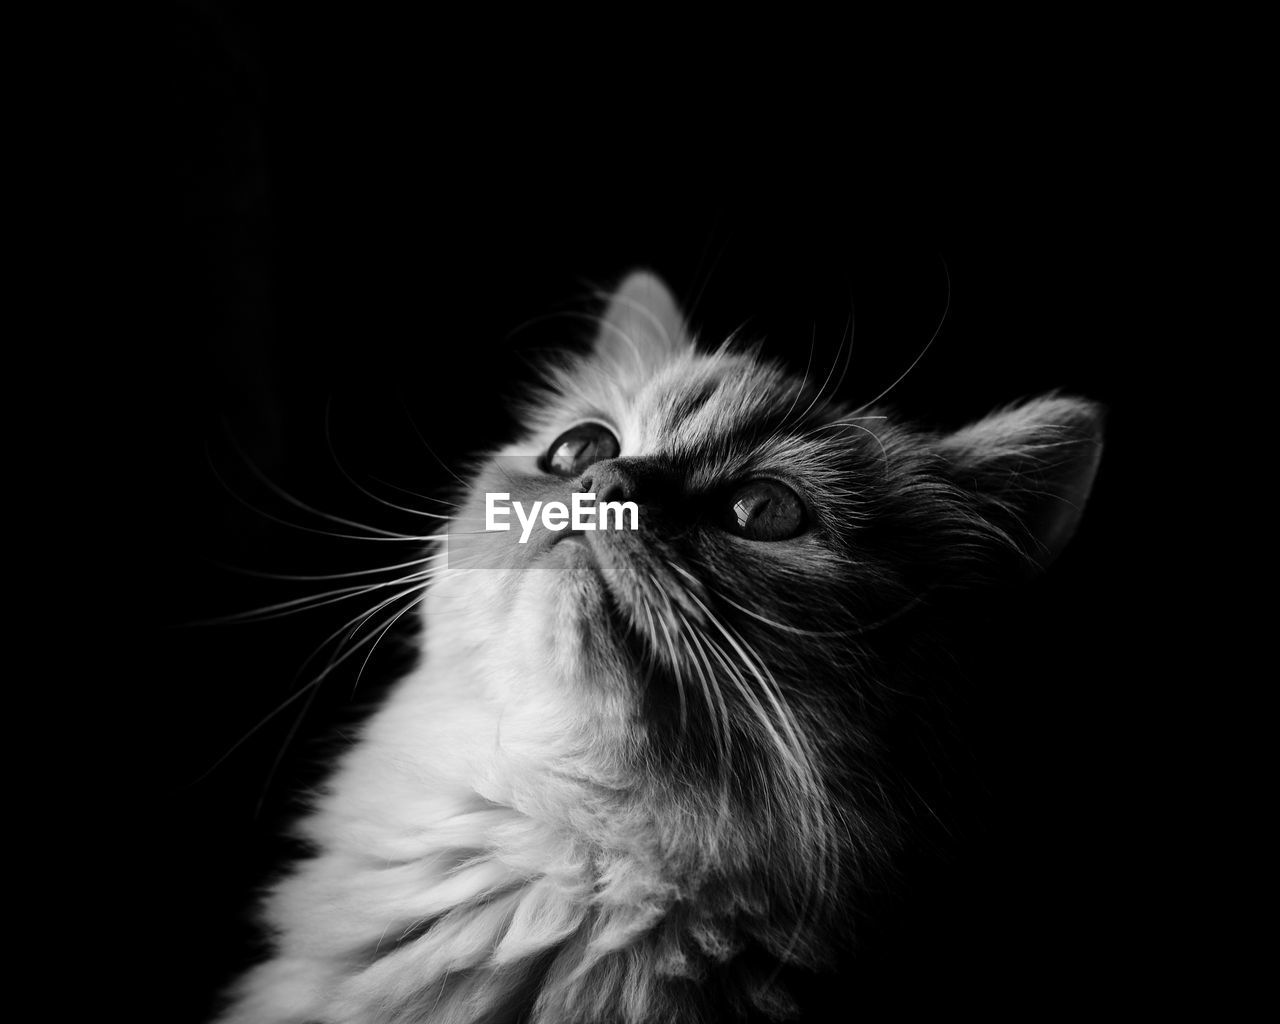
point(723, 663)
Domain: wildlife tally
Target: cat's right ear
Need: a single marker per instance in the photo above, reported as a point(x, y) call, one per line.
point(641, 330)
point(1030, 469)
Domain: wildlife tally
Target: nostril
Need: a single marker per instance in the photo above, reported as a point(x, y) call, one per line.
point(613, 491)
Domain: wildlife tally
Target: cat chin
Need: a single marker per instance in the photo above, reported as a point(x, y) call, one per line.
point(583, 619)
point(564, 654)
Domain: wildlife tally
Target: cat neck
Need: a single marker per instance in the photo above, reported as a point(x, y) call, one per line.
point(502, 860)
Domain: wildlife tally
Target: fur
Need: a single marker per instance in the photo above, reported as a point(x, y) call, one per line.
point(635, 774)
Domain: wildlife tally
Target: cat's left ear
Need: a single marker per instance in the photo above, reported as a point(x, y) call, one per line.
point(1031, 467)
point(641, 330)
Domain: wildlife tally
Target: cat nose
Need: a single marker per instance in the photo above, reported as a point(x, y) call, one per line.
point(608, 481)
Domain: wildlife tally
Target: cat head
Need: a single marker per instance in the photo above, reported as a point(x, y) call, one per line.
point(723, 666)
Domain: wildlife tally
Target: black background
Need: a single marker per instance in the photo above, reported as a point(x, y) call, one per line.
point(361, 242)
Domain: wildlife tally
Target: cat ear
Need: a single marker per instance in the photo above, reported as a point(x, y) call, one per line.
point(1031, 466)
point(641, 329)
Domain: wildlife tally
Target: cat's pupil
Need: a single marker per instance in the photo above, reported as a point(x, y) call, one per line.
point(579, 447)
point(765, 510)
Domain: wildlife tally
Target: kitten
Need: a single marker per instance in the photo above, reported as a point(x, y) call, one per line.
point(636, 771)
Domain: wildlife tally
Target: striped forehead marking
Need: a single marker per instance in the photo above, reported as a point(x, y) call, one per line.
point(721, 404)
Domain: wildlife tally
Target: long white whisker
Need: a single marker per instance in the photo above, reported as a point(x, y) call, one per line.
point(813, 807)
point(815, 810)
point(333, 454)
point(848, 360)
point(829, 634)
point(430, 451)
point(359, 621)
point(353, 625)
point(302, 527)
point(283, 705)
point(394, 619)
point(785, 748)
point(414, 494)
point(298, 503)
point(311, 601)
point(937, 330)
point(678, 667)
point(679, 675)
point(327, 576)
point(284, 747)
point(820, 395)
point(785, 421)
point(720, 725)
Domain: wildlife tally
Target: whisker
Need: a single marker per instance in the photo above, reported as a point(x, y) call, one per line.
point(281, 707)
point(870, 627)
point(394, 619)
point(679, 675)
point(821, 394)
point(720, 725)
point(359, 620)
point(677, 666)
point(813, 807)
point(430, 451)
point(782, 746)
point(325, 576)
point(415, 494)
point(352, 626)
point(884, 454)
point(300, 526)
point(795, 399)
point(284, 747)
point(937, 330)
point(298, 503)
point(848, 361)
point(312, 601)
point(333, 453)
point(815, 810)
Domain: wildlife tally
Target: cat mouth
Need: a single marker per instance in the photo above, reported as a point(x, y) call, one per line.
point(647, 593)
point(616, 580)
point(639, 596)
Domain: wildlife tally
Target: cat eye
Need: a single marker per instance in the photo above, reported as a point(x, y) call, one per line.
point(579, 447)
point(763, 510)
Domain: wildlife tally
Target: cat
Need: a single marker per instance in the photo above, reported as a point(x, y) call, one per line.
point(636, 772)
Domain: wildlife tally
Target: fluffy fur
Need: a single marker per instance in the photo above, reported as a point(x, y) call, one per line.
point(634, 773)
